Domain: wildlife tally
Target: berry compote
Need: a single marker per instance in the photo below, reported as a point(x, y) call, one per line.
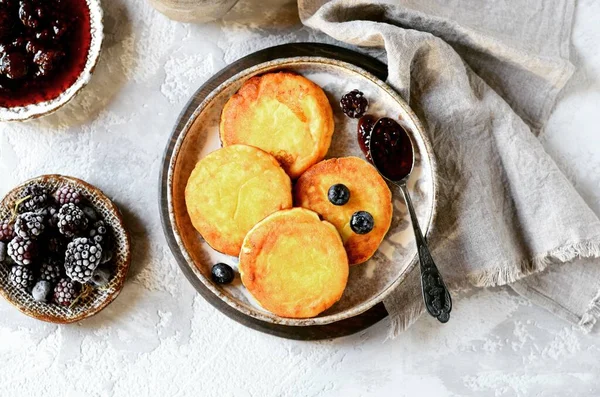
point(43, 48)
point(391, 149)
point(365, 125)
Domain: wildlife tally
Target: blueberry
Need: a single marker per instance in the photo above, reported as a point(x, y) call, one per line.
point(338, 194)
point(222, 273)
point(100, 278)
point(2, 251)
point(362, 222)
point(41, 291)
point(90, 213)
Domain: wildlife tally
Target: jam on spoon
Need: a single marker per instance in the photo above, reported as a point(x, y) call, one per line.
point(392, 153)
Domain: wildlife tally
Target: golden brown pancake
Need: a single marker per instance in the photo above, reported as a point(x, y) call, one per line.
point(368, 192)
point(284, 114)
point(294, 264)
point(231, 190)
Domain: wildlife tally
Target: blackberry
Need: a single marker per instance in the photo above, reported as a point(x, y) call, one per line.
point(65, 292)
point(29, 225)
point(222, 273)
point(22, 251)
point(362, 222)
point(100, 234)
point(71, 220)
point(41, 291)
point(7, 231)
point(82, 257)
point(38, 198)
point(338, 194)
point(55, 245)
point(67, 194)
point(21, 277)
point(51, 213)
point(51, 270)
point(354, 104)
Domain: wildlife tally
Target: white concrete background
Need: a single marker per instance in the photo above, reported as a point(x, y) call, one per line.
point(159, 338)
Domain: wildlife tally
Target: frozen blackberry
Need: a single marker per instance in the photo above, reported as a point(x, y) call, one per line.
point(100, 234)
point(67, 194)
point(37, 198)
point(21, 277)
point(29, 225)
point(7, 231)
point(354, 104)
point(22, 251)
point(50, 214)
point(51, 270)
point(55, 245)
point(65, 292)
point(82, 257)
point(71, 220)
point(41, 291)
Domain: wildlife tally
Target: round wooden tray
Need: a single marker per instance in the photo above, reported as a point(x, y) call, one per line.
point(315, 332)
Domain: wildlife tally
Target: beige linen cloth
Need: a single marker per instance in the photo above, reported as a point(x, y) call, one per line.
point(483, 76)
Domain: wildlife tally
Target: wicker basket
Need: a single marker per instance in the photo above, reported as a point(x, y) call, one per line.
point(99, 298)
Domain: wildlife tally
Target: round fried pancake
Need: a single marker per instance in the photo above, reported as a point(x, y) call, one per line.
point(284, 114)
point(231, 190)
point(368, 192)
point(294, 264)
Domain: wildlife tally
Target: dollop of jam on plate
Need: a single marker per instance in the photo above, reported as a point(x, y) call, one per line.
point(365, 125)
point(391, 149)
point(43, 48)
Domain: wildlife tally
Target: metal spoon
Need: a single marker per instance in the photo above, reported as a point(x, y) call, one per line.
point(392, 152)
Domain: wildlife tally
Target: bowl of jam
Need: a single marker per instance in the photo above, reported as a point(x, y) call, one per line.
point(48, 51)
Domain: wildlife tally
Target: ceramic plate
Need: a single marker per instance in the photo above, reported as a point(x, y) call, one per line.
point(370, 282)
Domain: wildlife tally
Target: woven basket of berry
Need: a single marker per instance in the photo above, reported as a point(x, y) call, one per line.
point(64, 249)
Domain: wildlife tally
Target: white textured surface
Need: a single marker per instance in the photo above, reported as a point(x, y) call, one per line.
point(160, 338)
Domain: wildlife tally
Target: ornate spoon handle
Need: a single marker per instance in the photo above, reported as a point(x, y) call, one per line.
point(435, 294)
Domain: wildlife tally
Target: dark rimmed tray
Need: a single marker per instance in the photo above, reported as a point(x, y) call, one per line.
point(315, 332)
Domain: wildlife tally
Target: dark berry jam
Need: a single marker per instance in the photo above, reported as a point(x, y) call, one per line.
point(391, 149)
point(365, 125)
point(43, 48)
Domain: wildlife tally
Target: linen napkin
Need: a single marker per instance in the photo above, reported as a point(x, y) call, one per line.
point(483, 76)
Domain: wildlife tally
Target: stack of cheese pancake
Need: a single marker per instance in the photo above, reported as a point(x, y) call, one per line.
point(275, 132)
